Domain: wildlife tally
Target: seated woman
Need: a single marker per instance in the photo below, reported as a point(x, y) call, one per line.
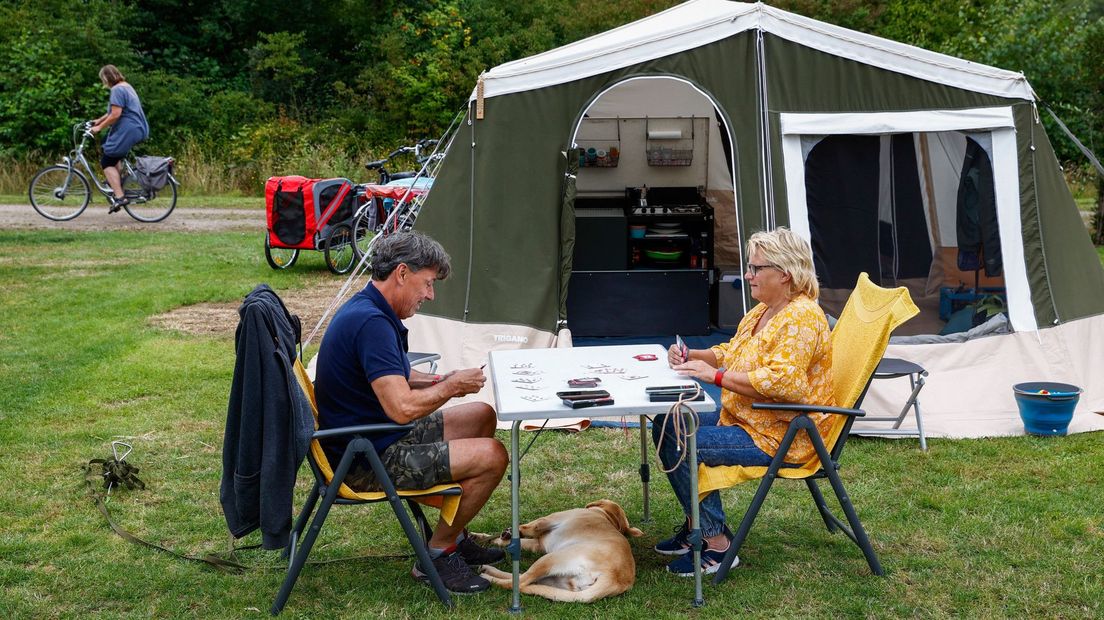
point(781, 352)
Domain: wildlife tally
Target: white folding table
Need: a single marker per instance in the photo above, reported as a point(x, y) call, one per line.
point(525, 386)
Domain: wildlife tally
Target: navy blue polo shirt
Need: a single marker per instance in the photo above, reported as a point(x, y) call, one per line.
point(365, 341)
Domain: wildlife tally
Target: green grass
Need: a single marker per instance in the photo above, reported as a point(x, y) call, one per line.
point(1008, 527)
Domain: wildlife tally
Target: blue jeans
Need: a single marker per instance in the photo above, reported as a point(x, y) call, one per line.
point(717, 445)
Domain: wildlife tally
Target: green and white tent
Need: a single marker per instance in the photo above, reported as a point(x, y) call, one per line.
point(853, 141)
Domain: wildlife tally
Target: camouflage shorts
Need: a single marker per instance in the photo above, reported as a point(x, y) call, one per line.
point(417, 461)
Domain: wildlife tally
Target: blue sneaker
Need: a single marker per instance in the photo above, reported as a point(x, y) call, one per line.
point(711, 559)
point(678, 544)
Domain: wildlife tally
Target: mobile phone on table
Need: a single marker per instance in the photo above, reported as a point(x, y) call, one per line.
point(582, 394)
point(667, 389)
point(670, 397)
point(588, 402)
point(683, 349)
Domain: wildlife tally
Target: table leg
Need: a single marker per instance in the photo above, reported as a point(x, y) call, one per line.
point(645, 473)
point(515, 518)
point(695, 523)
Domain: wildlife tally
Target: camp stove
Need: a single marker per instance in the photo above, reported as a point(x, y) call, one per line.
point(668, 210)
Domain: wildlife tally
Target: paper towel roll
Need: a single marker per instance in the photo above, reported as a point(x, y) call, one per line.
point(667, 134)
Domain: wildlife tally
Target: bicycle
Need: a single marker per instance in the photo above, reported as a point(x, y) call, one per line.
point(393, 203)
point(418, 148)
point(61, 192)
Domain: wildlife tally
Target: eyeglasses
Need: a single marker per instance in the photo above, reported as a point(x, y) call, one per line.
point(755, 269)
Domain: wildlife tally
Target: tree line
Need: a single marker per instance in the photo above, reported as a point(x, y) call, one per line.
point(243, 79)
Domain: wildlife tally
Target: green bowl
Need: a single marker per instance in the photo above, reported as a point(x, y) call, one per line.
point(663, 255)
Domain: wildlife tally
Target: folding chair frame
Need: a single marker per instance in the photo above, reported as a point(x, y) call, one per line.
point(297, 553)
point(915, 374)
point(829, 469)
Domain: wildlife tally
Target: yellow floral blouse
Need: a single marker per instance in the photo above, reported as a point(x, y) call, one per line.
point(788, 360)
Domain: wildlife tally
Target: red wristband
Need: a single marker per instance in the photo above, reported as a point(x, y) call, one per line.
point(719, 377)
point(436, 379)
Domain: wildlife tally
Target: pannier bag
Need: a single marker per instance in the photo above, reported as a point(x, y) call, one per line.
point(300, 208)
point(153, 172)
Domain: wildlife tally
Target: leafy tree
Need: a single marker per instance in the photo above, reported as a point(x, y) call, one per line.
point(278, 68)
point(50, 55)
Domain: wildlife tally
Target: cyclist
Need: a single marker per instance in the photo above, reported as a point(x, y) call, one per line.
point(128, 127)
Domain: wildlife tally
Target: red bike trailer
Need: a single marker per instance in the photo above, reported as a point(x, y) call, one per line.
point(311, 214)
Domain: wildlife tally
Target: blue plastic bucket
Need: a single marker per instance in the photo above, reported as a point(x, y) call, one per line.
point(1046, 408)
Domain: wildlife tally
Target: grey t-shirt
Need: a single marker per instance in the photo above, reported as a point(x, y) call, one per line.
point(131, 128)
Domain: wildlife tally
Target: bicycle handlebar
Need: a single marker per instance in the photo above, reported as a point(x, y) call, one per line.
point(417, 149)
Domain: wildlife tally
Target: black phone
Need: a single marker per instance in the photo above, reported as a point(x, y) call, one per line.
point(670, 397)
point(684, 387)
point(581, 403)
point(582, 394)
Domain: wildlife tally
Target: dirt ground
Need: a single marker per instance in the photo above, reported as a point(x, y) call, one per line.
point(96, 218)
point(209, 319)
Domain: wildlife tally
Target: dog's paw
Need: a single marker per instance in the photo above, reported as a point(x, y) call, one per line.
point(480, 537)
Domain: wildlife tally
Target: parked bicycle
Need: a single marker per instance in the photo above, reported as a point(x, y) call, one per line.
point(394, 202)
point(420, 158)
point(62, 192)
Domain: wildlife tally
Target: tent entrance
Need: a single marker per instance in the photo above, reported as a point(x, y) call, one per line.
point(654, 210)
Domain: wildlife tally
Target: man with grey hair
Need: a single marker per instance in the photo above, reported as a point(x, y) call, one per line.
point(364, 377)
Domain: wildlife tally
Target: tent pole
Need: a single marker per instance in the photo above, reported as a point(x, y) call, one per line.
point(767, 182)
point(471, 211)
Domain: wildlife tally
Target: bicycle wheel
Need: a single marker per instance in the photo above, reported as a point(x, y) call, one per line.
point(364, 227)
point(279, 258)
point(341, 252)
point(149, 205)
point(59, 194)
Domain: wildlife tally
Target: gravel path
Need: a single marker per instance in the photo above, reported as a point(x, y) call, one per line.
point(96, 217)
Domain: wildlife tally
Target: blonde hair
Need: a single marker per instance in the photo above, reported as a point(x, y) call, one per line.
point(784, 249)
point(110, 75)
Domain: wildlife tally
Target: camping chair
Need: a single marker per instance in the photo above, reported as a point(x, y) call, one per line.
point(858, 341)
point(330, 486)
point(417, 359)
point(894, 368)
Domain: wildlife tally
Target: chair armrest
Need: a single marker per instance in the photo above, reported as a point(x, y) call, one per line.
point(363, 429)
point(858, 413)
point(417, 358)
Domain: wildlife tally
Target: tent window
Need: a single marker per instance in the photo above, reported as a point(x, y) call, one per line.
point(865, 210)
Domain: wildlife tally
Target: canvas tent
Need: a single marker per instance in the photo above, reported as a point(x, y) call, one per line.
point(858, 143)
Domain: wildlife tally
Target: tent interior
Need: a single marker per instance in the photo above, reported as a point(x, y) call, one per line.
point(655, 213)
point(910, 209)
point(657, 232)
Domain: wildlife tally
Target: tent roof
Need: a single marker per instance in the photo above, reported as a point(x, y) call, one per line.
point(701, 22)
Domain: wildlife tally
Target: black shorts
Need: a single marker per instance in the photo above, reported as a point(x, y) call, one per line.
point(107, 161)
point(417, 461)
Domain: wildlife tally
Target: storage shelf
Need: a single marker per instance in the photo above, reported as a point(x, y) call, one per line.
point(602, 146)
point(670, 157)
point(670, 141)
